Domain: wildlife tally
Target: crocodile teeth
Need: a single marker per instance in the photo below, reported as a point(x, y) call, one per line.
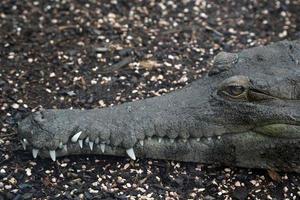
point(142, 142)
point(172, 140)
point(65, 148)
point(130, 153)
point(80, 143)
point(25, 141)
point(23, 144)
point(76, 136)
point(102, 147)
point(87, 140)
point(91, 145)
point(159, 140)
point(198, 139)
point(61, 145)
point(97, 140)
point(52, 155)
point(35, 152)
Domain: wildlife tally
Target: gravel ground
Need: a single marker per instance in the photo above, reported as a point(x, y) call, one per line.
point(92, 54)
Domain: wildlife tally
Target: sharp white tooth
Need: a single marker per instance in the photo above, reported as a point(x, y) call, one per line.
point(25, 141)
point(131, 154)
point(35, 152)
point(91, 145)
point(209, 138)
point(142, 142)
point(23, 144)
point(102, 147)
point(65, 148)
point(159, 140)
point(80, 143)
point(52, 155)
point(97, 140)
point(172, 140)
point(87, 140)
point(61, 145)
point(198, 139)
point(219, 137)
point(76, 136)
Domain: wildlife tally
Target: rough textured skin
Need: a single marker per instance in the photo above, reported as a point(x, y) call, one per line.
point(245, 112)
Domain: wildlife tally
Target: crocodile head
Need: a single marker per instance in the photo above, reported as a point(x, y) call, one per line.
point(245, 112)
point(260, 92)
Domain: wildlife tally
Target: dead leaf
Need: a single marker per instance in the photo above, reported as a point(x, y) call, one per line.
point(149, 64)
point(274, 175)
point(143, 180)
point(46, 181)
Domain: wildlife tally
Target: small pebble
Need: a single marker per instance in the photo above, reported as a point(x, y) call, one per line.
point(7, 187)
point(28, 171)
point(15, 106)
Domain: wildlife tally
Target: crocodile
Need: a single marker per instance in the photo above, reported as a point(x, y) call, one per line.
point(244, 112)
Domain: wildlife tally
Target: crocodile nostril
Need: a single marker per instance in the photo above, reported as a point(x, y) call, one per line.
point(42, 115)
point(39, 117)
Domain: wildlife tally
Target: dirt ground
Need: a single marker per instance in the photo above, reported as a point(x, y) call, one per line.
point(92, 54)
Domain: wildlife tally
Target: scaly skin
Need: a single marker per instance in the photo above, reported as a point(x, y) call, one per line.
point(245, 112)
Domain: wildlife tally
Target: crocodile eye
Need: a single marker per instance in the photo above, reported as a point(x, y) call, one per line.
point(234, 90)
